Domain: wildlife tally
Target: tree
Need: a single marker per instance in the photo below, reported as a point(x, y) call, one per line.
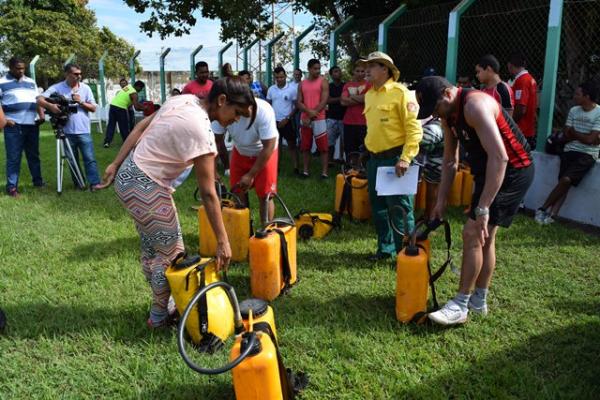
point(54, 30)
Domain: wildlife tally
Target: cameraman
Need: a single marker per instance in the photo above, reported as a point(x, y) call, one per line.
point(78, 127)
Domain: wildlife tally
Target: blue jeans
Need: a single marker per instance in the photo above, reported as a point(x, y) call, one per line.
point(16, 139)
point(83, 142)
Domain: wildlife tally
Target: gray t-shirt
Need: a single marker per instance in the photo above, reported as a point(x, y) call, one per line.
point(248, 141)
point(584, 122)
point(78, 123)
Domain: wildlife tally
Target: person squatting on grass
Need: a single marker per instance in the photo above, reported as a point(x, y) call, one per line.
point(393, 136)
point(503, 170)
point(313, 93)
point(155, 153)
point(18, 98)
point(254, 155)
point(582, 132)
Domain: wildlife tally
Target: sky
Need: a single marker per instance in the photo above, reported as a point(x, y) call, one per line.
point(124, 22)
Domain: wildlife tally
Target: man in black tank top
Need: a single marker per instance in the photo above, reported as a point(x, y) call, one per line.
point(503, 169)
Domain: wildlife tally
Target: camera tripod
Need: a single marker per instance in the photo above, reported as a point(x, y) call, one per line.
point(64, 152)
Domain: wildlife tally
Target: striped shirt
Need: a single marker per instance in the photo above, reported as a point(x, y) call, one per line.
point(18, 99)
point(584, 122)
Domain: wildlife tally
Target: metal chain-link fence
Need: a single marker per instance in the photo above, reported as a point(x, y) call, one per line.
point(418, 39)
point(358, 41)
point(579, 53)
point(502, 28)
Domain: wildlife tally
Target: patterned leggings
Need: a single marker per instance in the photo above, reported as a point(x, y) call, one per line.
point(152, 208)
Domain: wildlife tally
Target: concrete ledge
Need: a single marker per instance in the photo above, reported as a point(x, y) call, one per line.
point(582, 203)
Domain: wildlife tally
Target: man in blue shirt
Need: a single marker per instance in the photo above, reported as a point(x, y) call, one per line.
point(17, 96)
point(78, 127)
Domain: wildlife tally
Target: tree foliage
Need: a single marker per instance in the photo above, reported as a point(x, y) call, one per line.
point(55, 29)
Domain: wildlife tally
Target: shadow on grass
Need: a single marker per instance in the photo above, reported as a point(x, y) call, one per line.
point(562, 363)
point(350, 312)
point(102, 250)
point(37, 320)
point(193, 391)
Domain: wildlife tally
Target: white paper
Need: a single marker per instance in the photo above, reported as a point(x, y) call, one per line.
point(388, 184)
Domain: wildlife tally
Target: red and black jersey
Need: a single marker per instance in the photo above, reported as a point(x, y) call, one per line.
point(516, 145)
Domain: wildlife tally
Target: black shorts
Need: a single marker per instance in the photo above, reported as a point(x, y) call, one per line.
point(287, 133)
point(575, 166)
point(354, 137)
point(506, 203)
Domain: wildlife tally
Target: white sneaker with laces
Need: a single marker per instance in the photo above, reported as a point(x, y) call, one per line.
point(481, 310)
point(450, 314)
point(540, 216)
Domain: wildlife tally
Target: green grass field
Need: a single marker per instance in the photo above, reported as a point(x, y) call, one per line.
point(76, 300)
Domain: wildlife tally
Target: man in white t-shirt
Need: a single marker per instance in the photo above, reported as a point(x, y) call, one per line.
point(254, 155)
point(282, 97)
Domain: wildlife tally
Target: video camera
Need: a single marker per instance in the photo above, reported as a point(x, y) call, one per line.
point(67, 107)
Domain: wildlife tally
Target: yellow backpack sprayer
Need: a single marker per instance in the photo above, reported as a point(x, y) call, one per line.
point(351, 193)
point(314, 225)
point(258, 370)
point(272, 256)
point(236, 218)
point(211, 323)
point(413, 271)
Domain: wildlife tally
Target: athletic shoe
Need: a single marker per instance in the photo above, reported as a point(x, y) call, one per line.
point(226, 173)
point(548, 220)
point(95, 188)
point(540, 216)
point(450, 314)
point(324, 176)
point(304, 175)
point(106, 145)
point(13, 192)
point(481, 310)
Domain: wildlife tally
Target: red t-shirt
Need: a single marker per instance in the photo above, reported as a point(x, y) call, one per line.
point(201, 91)
point(503, 95)
point(354, 114)
point(525, 89)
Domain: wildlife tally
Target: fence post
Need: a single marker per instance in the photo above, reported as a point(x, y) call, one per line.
point(297, 41)
point(193, 62)
point(32, 67)
point(223, 50)
point(101, 78)
point(385, 25)
point(269, 67)
point(246, 50)
point(555, 17)
point(333, 39)
point(132, 66)
point(453, 38)
point(70, 59)
point(163, 89)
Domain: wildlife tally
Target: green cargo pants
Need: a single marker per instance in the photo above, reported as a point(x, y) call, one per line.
point(388, 241)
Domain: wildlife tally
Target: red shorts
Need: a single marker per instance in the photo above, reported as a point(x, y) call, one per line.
point(266, 179)
point(318, 129)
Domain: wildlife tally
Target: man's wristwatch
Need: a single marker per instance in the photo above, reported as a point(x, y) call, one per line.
point(479, 211)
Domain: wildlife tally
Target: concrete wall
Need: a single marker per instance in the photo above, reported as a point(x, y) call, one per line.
point(582, 203)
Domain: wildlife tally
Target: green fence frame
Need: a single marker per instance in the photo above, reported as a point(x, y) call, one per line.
point(220, 57)
point(384, 26)
point(453, 38)
point(333, 39)
point(193, 62)
point(32, 67)
point(297, 41)
point(247, 50)
point(101, 81)
point(269, 66)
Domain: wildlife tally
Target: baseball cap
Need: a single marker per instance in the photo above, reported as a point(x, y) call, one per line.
point(428, 91)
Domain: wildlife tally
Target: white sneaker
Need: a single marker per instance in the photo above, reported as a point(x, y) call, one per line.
point(450, 314)
point(171, 307)
point(226, 173)
point(482, 310)
point(548, 220)
point(540, 216)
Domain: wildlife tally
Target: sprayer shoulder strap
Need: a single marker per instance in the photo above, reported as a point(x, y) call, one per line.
point(346, 199)
point(285, 260)
point(291, 383)
point(203, 306)
point(313, 218)
point(448, 261)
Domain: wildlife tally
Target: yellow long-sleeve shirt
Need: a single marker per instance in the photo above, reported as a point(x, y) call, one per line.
point(391, 113)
